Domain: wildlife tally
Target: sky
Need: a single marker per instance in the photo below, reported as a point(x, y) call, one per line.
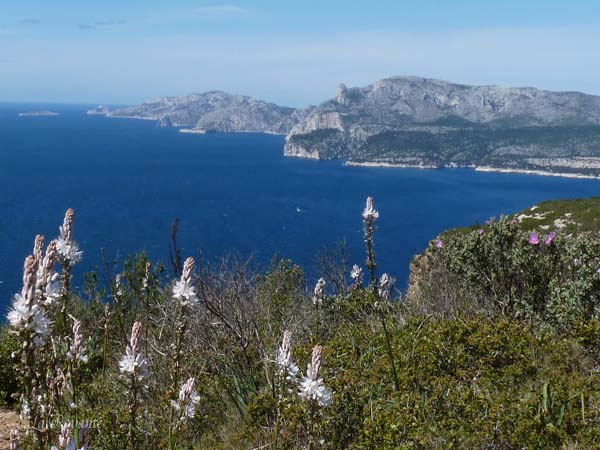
point(293, 53)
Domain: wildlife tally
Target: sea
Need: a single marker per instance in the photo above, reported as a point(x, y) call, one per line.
point(235, 195)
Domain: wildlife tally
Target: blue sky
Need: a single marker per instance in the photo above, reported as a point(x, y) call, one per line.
point(289, 52)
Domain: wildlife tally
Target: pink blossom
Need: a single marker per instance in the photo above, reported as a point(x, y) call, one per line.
point(439, 243)
point(534, 239)
point(549, 238)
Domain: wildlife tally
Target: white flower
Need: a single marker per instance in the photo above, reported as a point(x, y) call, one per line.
point(187, 400)
point(68, 250)
point(356, 274)
point(311, 389)
point(183, 289)
point(385, 286)
point(52, 290)
point(185, 293)
point(27, 317)
point(118, 286)
point(318, 293)
point(67, 442)
point(285, 362)
point(133, 364)
point(14, 440)
point(369, 213)
point(25, 409)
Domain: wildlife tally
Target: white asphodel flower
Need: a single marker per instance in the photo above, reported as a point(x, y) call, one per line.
point(312, 387)
point(183, 289)
point(187, 400)
point(66, 248)
point(318, 292)
point(52, 290)
point(385, 286)
point(133, 363)
point(285, 363)
point(356, 274)
point(68, 251)
point(27, 317)
point(370, 213)
point(185, 293)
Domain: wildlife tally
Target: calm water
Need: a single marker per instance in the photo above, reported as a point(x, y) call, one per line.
point(129, 179)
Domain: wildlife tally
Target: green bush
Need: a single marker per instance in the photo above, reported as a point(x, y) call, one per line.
point(497, 270)
point(9, 383)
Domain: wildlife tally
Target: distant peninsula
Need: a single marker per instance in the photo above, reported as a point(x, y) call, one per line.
point(410, 122)
point(39, 113)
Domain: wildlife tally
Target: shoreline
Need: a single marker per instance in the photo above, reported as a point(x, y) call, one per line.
point(538, 172)
point(390, 165)
point(544, 173)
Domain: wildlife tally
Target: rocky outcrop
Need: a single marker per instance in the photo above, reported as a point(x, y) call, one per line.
point(99, 110)
point(411, 120)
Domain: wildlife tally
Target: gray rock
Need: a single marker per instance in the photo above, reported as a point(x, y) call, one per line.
point(216, 111)
point(99, 110)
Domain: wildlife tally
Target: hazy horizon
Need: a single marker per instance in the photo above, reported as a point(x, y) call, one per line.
point(293, 54)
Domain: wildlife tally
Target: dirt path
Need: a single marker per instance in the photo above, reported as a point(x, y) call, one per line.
point(8, 421)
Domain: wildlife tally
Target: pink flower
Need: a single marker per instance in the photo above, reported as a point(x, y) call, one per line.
point(439, 243)
point(534, 239)
point(480, 231)
point(549, 238)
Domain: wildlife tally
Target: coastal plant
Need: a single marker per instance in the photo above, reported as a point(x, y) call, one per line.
point(224, 374)
point(184, 297)
point(381, 291)
point(313, 391)
point(134, 367)
point(501, 269)
point(29, 323)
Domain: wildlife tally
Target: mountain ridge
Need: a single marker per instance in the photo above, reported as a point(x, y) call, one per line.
point(410, 121)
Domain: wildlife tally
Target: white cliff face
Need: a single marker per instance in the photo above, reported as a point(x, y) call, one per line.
point(444, 123)
point(319, 120)
point(298, 151)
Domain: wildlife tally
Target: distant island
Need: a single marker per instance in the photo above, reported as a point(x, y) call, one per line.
point(410, 122)
point(39, 113)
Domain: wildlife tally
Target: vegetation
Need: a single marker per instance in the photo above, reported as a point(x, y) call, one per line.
point(478, 145)
point(494, 346)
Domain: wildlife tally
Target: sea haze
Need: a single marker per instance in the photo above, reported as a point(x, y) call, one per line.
point(128, 180)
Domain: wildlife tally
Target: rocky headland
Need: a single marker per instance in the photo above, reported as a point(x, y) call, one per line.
point(410, 122)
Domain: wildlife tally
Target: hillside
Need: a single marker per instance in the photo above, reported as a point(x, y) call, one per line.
point(410, 121)
point(569, 217)
point(214, 111)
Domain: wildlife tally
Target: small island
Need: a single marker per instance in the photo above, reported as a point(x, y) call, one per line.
point(39, 113)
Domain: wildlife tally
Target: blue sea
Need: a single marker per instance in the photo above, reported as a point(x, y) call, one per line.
point(233, 193)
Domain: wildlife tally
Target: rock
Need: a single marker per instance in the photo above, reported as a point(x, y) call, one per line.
point(165, 121)
point(99, 110)
point(216, 111)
